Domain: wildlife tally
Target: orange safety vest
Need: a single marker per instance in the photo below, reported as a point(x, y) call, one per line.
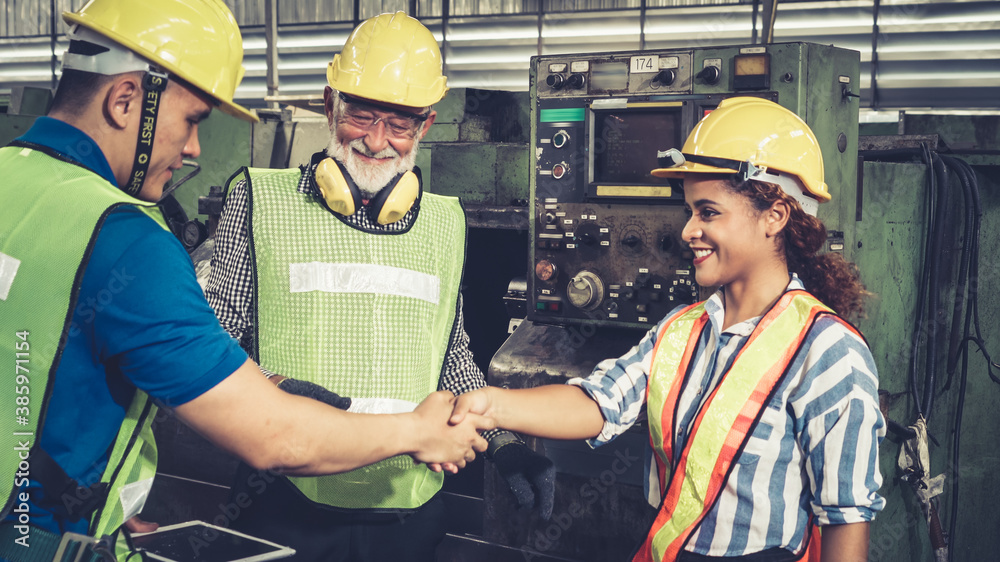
point(734, 408)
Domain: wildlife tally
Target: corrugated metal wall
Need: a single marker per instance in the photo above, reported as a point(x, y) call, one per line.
point(930, 53)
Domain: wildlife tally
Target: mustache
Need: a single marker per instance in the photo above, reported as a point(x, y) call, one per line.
point(359, 146)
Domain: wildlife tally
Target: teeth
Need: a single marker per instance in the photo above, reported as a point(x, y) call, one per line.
point(701, 253)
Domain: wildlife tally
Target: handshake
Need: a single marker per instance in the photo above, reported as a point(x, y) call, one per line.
point(446, 436)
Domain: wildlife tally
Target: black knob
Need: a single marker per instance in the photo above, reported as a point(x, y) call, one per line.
point(555, 81)
point(641, 281)
point(629, 294)
point(560, 139)
point(550, 218)
point(631, 241)
point(665, 77)
point(576, 81)
point(710, 74)
point(666, 243)
point(587, 239)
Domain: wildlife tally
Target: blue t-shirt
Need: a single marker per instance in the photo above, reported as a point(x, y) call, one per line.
point(141, 320)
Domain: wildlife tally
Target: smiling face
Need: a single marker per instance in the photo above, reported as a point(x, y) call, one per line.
point(374, 142)
point(732, 242)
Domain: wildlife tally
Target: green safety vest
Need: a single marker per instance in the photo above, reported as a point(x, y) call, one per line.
point(50, 215)
point(690, 487)
point(364, 315)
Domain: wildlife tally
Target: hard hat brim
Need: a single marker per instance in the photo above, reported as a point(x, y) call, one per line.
point(690, 168)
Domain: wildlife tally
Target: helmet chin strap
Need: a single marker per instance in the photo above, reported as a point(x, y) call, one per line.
point(153, 85)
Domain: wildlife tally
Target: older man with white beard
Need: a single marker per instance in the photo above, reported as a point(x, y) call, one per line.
point(342, 278)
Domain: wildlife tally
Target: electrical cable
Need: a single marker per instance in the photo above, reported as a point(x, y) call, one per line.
point(933, 287)
point(963, 278)
point(957, 334)
point(922, 284)
point(971, 227)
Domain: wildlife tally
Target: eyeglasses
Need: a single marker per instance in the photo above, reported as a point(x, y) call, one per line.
point(364, 116)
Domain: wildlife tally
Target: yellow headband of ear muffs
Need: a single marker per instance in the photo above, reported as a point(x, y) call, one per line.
point(343, 197)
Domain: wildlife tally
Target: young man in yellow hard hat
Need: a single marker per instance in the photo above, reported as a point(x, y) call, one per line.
point(100, 311)
point(344, 276)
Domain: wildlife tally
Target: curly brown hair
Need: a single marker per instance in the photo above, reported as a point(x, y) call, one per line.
point(829, 277)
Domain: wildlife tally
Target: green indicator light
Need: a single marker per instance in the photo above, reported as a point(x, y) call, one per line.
point(561, 115)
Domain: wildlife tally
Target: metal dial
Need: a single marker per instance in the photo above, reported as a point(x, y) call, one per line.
point(585, 290)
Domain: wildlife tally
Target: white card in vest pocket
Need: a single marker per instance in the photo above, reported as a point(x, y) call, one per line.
point(363, 278)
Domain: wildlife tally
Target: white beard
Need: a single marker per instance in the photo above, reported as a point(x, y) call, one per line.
point(370, 177)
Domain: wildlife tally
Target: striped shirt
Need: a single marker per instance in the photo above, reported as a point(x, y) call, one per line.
point(814, 452)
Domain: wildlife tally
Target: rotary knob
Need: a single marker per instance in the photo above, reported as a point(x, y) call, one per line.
point(585, 290)
point(683, 291)
point(555, 81)
point(710, 74)
point(560, 139)
point(665, 77)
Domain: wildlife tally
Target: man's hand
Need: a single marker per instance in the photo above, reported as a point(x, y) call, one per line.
point(531, 476)
point(438, 441)
point(136, 525)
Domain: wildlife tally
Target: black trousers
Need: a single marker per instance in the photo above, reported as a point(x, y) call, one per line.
point(272, 508)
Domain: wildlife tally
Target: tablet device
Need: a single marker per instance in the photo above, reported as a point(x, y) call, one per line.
point(197, 541)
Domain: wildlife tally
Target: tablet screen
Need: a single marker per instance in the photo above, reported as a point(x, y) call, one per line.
point(199, 542)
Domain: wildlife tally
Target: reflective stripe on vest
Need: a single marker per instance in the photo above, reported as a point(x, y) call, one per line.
point(51, 214)
point(364, 315)
point(734, 407)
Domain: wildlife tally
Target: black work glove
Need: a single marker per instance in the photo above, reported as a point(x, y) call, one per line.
point(314, 391)
point(531, 477)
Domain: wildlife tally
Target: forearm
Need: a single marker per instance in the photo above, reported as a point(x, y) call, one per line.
point(845, 543)
point(552, 411)
point(270, 429)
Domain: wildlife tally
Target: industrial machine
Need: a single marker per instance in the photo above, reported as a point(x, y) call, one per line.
point(606, 259)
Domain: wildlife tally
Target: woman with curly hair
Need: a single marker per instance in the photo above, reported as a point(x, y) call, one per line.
point(762, 401)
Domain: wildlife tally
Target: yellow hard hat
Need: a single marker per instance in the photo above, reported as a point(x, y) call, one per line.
point(391, 58)
point(197, 41)
point(753, 136)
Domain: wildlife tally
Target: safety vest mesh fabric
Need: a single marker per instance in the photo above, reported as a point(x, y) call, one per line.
point(729, 414)
point(355, 335)
point(52, 247)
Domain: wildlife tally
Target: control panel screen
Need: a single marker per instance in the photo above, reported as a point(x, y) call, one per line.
point(626, 140)
point(609, 76)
